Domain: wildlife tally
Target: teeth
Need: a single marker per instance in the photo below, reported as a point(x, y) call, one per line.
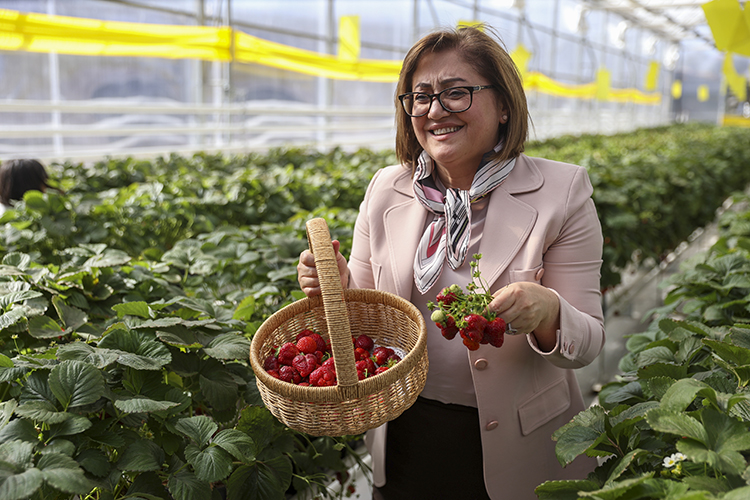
point(442, 131)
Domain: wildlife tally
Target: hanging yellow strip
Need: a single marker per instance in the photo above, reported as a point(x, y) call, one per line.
point(349, 40)
point(735, 121)
point(250, 49)
point(90, 37)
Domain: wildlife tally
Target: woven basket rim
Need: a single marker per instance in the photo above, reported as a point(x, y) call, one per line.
point(336, 393)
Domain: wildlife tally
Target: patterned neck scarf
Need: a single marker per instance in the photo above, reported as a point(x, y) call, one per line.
point(449, 233)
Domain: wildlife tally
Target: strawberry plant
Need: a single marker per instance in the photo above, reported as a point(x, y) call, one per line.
point(676, 424)
point(455, 311)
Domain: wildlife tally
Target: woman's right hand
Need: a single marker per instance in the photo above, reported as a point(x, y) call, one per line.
point(307, 274)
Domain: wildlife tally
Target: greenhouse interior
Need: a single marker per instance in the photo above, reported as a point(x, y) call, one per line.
point(187, 152)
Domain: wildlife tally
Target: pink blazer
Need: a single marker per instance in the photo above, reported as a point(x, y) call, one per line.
point(541, 226)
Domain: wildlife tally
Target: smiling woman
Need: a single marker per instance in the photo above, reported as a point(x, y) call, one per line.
point(464, 187)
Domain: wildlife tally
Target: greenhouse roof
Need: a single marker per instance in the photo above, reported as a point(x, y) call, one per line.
point(674, 20)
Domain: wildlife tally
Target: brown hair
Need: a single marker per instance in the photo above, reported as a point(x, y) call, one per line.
point(489, 57)
point(19, 176)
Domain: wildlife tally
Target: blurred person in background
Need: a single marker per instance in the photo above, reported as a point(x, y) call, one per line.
point(19, 176)
point(482, 426)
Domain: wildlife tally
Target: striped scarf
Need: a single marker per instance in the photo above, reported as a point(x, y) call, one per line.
point(449, 233)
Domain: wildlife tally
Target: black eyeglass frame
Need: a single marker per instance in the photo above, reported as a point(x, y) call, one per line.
point(439, 95)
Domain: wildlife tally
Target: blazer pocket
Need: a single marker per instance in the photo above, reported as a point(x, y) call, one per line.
point(533, 275)
point(376, 272)
point(544, 406)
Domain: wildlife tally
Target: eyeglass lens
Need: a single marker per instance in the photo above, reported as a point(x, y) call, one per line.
point(454, 100)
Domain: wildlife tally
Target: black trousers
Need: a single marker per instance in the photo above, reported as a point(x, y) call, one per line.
point(434, 452)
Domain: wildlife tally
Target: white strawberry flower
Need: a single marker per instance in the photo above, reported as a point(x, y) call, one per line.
point(673, 460)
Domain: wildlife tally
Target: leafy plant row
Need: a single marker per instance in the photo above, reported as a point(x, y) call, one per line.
point(676, 425)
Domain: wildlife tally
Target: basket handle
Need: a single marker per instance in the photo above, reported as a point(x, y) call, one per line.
point(334, 304)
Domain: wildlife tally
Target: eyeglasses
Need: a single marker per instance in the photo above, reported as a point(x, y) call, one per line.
point(453, 100)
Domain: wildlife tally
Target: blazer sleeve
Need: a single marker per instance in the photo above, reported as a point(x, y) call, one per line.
point(360, 262)
point(572, 269)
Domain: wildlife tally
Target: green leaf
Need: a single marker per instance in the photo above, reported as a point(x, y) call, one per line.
point(75, 383)
point(219, 388)
point(110, 258)
point(185, 486)
point(142, 350)
point(76, 424)
point(44, 327)
point(575, 441)
point(658, 354)
point(239, 444)
point(20, 486)
point(229, 346)
point(19, 429)
point(211, 464)
point(141, 404)
point(564, 490)
point(18, 453)
point(11, 318)
point(731, 353)
point(63, 473)
point(17, 259)
point(71, 317)
point(81, 351)
point(15, 297)
point(138, 308)
point(681, 394)
point(42, 411)
point(617, 490)
point(141, 456)
point(245, 309)
point(94, 461)
point(199, 428)
point(6, 411)
point(679, 424)
point(268, 480)
point(59, 446)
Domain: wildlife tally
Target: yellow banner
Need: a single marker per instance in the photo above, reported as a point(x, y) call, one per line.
point(735, 121)
point(736, 82)
point(77, 36)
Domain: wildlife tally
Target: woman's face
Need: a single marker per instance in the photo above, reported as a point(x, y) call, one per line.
point(456, 141)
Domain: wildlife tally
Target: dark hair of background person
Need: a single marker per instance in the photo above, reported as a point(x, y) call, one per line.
point(490, 59)
point(19, 176)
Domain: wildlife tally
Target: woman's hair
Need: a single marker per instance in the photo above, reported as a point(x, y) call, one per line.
point(490, 59)
point(19, 176)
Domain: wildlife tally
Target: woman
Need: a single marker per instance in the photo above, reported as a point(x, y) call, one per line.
point(19, 176)
point(482, 426)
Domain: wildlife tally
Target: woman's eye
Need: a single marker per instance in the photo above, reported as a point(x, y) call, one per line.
point(421, 98)
point(456, 93)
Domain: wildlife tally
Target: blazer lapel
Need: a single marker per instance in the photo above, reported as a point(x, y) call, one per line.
point(509, 221)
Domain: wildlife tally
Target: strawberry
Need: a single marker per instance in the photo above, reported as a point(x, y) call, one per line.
point(274, 373)
point(495, 332)
point(380, 354)
point(364, 342)
point(360, 354)
point(287, 352)
point(365, 368)
point(471, 344)
point(307, 345)
point(304, 333)
point(475, 325)
point(289, 374)
point(381, 369)
point(271, 363)
point(393, 358)
point(319, 341)
point(447, 295)
point(329, 363)
point(322, 377)
point(305, 364)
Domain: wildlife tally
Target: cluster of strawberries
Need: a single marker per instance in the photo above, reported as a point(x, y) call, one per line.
point(309, 360)
point(466, 314)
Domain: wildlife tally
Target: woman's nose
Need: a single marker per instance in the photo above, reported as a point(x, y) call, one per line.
point(436, 109)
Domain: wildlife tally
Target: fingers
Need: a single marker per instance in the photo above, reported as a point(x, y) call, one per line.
point(521, 305)
point(307, 274)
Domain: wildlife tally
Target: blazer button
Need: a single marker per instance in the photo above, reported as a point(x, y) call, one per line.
point(539, 274)
point(571, 349)
point(492, 425)
point(480, 364)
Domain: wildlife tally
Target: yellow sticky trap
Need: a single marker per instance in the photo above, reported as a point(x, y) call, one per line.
point(729, 24)
point(735, 82)
point(471, 24)
point(349, 41)
point(703, 93)
point(521, 58)
point(652, 77)
point(677, 89)
point(603, 78)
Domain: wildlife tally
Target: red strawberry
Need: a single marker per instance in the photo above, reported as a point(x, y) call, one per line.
point(381, 369)
point(329, 363)
point(304, 333)
point(287, 352)
point(447, 295)
point(393, 359)
point(470, 344)
point(322, 377)
point(360, 354)
point(305, 364)
point(365, 368)
point(289, 374)
point(274, 373)
point(364, 342)
point(475, 325)
point(271, 363)
point(321, 343)
point(307, 345)
point(495, 332)
point(380, 354)
point(450, 329)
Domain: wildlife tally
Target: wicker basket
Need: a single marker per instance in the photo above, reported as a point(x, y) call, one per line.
point(353, 406)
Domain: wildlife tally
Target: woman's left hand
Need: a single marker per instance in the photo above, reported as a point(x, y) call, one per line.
point(529, 308)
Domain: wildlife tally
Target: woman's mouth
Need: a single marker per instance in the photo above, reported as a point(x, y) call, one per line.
point(443, 131)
